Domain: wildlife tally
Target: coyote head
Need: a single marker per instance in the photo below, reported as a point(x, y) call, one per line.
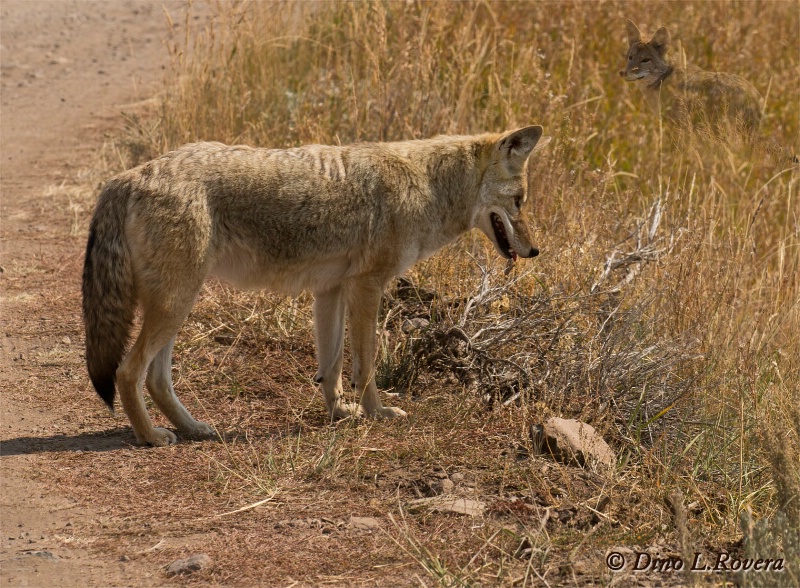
point(502, 211)
point(646, 60)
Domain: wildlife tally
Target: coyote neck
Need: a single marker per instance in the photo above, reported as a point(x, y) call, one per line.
point(453, 185)
point(660, 91)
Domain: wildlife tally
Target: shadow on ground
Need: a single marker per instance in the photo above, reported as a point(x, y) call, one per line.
point(97, 441)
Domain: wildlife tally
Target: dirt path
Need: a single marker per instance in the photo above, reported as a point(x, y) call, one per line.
point(68, 67)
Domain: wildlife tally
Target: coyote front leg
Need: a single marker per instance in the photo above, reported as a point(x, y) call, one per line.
point(363, 301)
point(329, 331)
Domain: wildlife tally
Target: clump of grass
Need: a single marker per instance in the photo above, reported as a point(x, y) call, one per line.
point(664, 308)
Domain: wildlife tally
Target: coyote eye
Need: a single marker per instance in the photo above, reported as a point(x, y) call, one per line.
point(646, 60)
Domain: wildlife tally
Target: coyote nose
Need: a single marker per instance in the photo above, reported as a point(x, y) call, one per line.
point(534, 252)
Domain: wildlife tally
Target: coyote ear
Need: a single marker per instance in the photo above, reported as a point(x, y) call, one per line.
point(515, 146)
point(542, 143)
point(634, 34)
point(660, 40)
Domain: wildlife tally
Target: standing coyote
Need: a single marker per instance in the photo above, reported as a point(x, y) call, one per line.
point(339, 221)
point(688, 96)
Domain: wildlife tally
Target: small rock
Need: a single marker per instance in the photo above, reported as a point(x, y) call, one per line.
point(43, 554)
point(465, 506)
point(365, 523)
point(189, 565)
point(414, 324)
point(66, 340)
point(572, 442)
point(443, 486)
point(457, 478)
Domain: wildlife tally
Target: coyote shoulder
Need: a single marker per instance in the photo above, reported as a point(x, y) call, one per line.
point(686, 95)
point(339, 221)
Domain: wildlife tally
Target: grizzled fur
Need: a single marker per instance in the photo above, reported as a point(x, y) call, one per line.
point(338, 221)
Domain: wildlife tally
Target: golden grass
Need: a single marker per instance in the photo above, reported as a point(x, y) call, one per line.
point(664, 310)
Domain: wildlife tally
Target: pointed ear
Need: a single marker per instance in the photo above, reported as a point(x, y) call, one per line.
point(542, 143)
point(634, 34)
point(660, 40)
point(515, 146)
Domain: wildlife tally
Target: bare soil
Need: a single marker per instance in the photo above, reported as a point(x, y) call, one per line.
point(68, 69)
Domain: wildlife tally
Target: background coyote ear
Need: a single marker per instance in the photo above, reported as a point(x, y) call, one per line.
point(660, 40)
point(517, 145)
point(634, 34)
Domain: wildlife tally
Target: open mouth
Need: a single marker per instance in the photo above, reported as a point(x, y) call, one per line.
point(502, 238)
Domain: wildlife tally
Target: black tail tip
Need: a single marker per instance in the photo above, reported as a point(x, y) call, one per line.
point(105, 389)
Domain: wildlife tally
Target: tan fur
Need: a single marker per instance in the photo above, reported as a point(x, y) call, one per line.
point(688, 96)
point(339, 221)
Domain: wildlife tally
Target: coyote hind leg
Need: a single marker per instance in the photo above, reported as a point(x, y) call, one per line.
point(159, 384)
point(160, 325)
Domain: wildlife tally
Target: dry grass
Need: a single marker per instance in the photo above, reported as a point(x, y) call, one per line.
point(664, 310)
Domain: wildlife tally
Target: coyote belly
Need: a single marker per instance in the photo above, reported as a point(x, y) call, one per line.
point(338, 221)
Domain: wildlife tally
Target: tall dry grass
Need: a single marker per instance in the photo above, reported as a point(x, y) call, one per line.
point(665, 308)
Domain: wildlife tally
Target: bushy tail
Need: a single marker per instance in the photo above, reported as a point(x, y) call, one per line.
point(109, 300)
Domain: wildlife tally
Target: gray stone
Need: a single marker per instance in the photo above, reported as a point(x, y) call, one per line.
point(414, 324)
point(365, 523)
point(464, 506)
point(442, 486)
point(189, 565)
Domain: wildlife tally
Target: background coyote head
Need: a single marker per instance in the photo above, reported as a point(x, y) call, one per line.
point(646, 60)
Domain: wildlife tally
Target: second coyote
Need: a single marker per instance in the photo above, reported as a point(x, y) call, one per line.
point(687, 95)
point(339, 221)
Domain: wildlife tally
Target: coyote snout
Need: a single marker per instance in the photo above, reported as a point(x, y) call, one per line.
point(510, 237)
point(339, 221)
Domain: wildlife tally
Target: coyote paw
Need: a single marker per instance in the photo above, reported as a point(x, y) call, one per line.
point(388, 412)
point(158, 437)
point(344, 410)
point(198, 430)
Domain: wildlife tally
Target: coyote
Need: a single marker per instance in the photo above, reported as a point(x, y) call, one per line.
point(688, 96)
point(339, 221)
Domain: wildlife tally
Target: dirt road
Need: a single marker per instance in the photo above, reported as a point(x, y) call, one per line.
point(68, 68)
